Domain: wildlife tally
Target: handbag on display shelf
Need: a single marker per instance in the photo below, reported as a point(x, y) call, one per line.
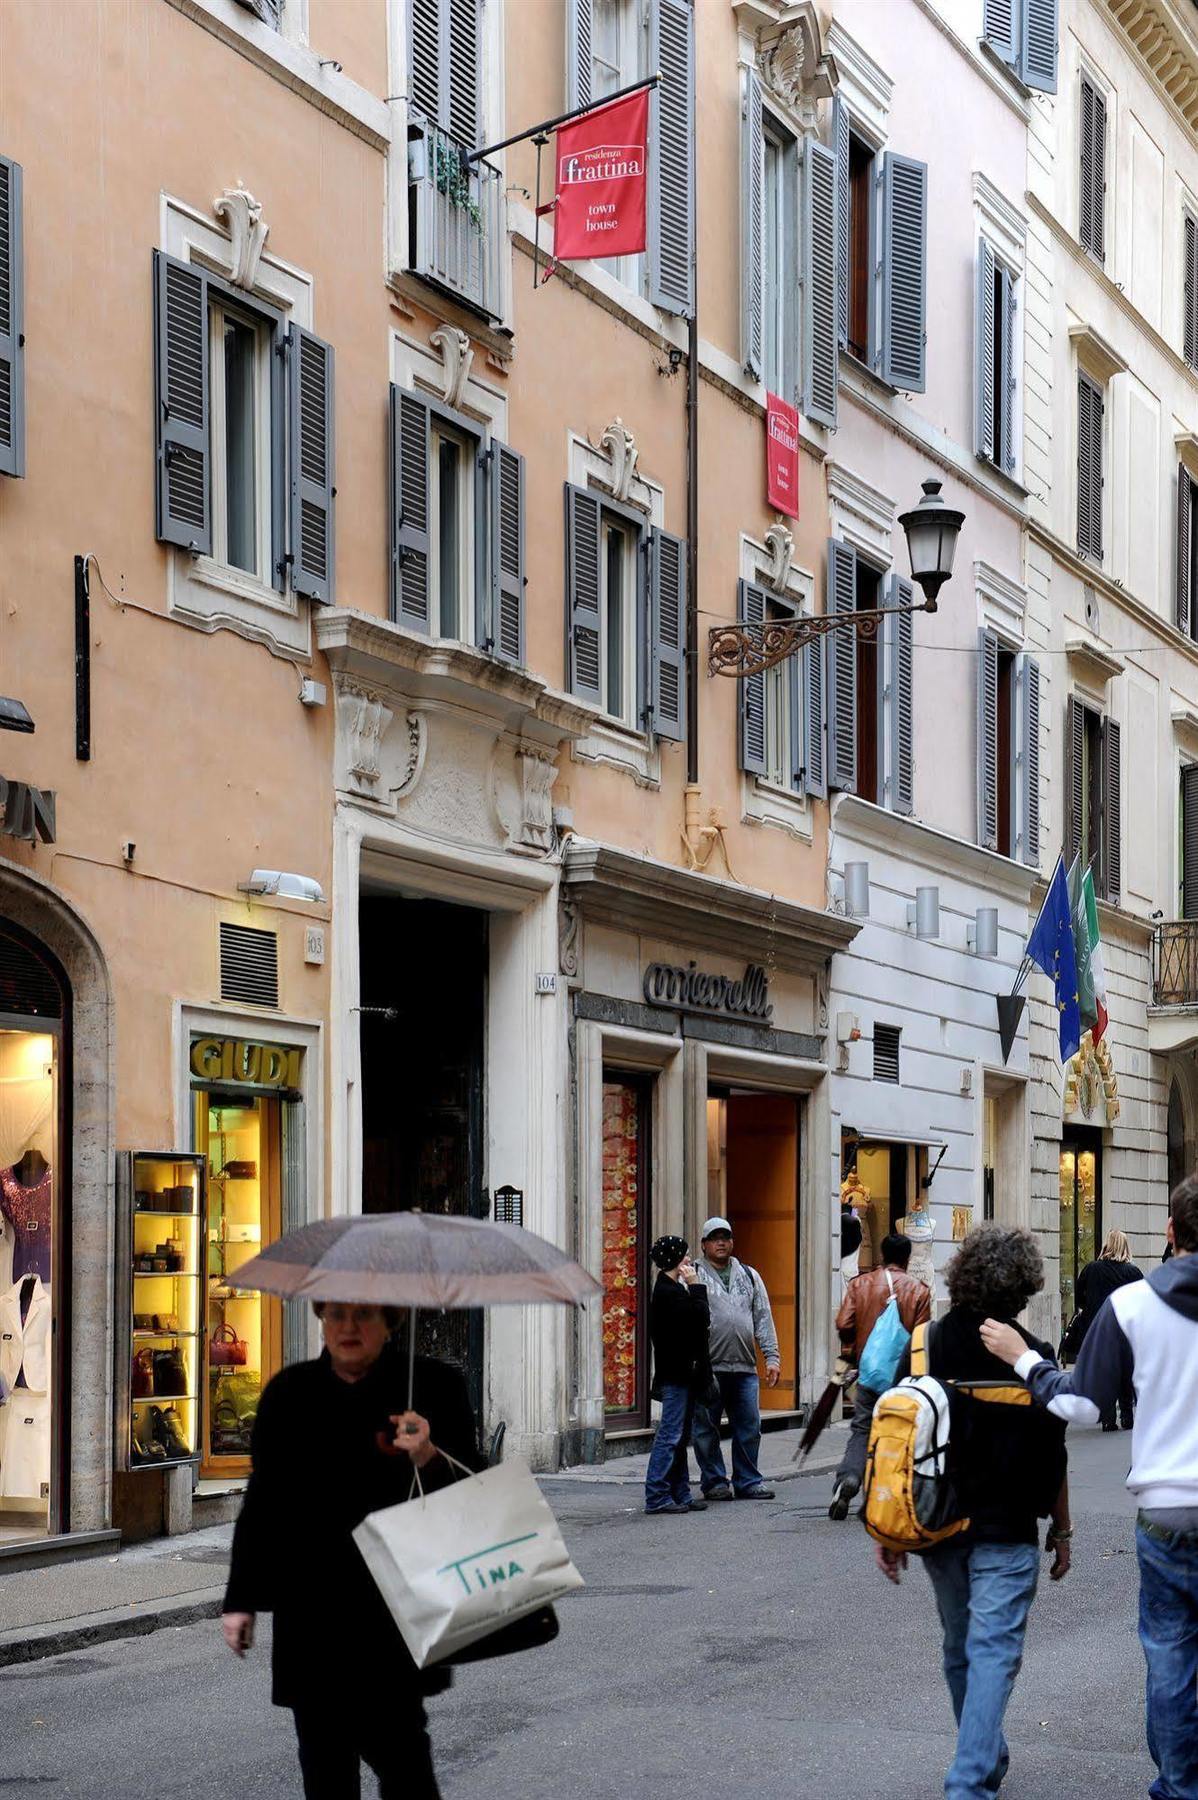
point(240, 1171)
point(170, 1373)
point(141, 1380)
point(226, 1350)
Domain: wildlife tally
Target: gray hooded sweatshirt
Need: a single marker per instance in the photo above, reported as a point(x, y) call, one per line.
point(740, 1314)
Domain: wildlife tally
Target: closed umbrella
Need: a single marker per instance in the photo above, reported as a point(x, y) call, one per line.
point(416, 1259)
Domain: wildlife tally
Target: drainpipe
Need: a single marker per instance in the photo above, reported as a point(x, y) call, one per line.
point(692, 548)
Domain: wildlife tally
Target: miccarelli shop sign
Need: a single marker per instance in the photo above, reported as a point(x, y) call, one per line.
point(692, 990)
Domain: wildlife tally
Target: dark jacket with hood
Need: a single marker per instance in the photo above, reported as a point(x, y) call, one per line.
point(324, 1457)
point(678, 1327)
point(1145, 1334)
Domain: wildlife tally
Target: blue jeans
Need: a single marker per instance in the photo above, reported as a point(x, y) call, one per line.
point(737, 1395)
point(667, 1479)
point(983, 1595)
point(1169, 1634)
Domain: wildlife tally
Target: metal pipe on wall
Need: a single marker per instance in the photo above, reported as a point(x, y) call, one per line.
point(692, 541)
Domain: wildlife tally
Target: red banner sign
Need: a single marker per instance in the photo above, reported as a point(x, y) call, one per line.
point(601, 161)
point(781, 456)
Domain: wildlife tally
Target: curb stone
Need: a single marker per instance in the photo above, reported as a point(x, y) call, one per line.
point(62, 1635)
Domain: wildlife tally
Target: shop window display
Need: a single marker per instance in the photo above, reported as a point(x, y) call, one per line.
point(625, 1162)
point(165, 1211)
point(28, 1272)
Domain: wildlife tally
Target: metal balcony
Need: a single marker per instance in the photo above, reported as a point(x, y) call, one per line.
point(1175, 963)
point(455, 218)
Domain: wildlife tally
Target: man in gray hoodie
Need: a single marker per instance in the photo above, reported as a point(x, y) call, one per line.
point(1146, 1335)
point(740, 1321)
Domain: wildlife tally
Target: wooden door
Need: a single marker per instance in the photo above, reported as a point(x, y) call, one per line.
point(763, 1209)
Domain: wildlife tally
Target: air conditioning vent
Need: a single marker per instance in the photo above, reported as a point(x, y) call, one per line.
point(27, 986)
point(249, 965)
point(886, 1052)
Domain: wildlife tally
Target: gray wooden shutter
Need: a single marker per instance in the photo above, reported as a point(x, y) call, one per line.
point(1029, 759)
point(842, 669)
point(424, 57)
point(184, 501)
point(752, 226)
point(1038, 45)
point(667, 629)
point(1089, 467)
point(985, 424)
point(310, 457)
point(266, 10)
point(12, 322)
point(580, 31)
point(902, 346)
point(987, 741)
point(582, 593)
point(409, 508)
point(902, 713)
point(506, 491)
point(750, 695)
point(840, 149)
point(998, 27)
point(1112, 812)
point(1184, 596)
point(813, 717)
point(1005, 444)
point(671, 157)
point(1189, 841)
point(462, 72)
point(820, 341)
point(1189, 299)
point(1092, 135)
point(1075, 731)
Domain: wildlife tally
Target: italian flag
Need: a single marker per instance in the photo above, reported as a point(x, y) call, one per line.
point(1097, 972)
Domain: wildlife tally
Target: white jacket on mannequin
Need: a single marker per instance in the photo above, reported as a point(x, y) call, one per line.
point(26, 1342)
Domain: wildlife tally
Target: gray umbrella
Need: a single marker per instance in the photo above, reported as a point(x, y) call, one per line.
point(417, 1259)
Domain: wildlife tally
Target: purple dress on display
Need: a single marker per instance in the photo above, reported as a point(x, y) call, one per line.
point(27, 1210)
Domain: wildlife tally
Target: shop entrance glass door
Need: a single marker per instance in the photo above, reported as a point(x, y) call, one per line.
point(240, 1134)
point(626, 1235)
point(1080, 1210)
point(756, 1149)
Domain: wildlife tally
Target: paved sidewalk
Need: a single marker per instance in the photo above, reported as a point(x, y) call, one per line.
point(175, 1581)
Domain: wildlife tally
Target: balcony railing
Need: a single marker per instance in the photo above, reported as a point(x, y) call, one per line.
point(1175, 963)
point(455, 218)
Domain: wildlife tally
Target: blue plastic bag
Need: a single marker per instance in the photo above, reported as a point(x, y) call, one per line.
point(884, 1348)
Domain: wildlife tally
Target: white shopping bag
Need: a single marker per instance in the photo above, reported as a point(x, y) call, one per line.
point(458, 1564)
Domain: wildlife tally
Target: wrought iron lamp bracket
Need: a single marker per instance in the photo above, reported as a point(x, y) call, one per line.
point(744, 650)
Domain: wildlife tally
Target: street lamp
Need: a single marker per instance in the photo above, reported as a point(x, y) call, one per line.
point(932, 530)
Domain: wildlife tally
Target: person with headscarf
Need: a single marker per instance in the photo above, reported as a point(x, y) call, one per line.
point(1111, 1269)
point(678, 1329)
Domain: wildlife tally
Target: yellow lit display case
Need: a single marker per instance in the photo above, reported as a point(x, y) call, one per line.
point(239, 1135)
point(161, 1214)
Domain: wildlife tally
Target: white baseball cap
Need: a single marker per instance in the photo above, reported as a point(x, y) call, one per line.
point(712, 1226)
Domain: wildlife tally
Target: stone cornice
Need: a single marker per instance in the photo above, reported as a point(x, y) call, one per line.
point(929, 848)
point(1092, 576)
point(1165, 38)
point(618, 887)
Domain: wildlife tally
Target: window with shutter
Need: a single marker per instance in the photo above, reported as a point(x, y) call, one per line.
point(444, 60)
point(667, 631)
point(820, 305)
point(1092, 188)
point(1090, 408)
point(987, 739)
point(751, 720)
point(842, 669)
point(580, 37)
point(1190, 289)
point(584, 658)
point(1028, 827)
point(506, 486)
point(901, 640)
point(184, 508)
point(310, 454)
point(903, 273)
point(1038, 33)
point(1007, 372)
point(1075, 789)
point(998, 27)
point(813, 718)
point(611, 613)
point(984, 387)
point(1112, 810)
point(1187, 898)
point(410, 542)
point(841, 150)
point(1186, 576)
point(12, 321)
point(752, 220)
point(671, 156)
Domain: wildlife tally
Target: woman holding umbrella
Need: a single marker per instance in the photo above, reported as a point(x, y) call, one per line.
point(336, 1439)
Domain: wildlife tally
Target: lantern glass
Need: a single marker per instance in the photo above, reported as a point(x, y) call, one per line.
point(932, 530)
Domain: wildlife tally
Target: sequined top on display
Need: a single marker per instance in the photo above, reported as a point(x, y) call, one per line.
point(27, 1210)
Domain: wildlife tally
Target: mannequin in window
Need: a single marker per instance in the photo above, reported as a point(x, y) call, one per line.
point(25, 1201)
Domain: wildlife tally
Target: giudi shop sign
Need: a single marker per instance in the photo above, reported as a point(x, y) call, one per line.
point(690, 989)
point(26, 812)
point(241, 1061)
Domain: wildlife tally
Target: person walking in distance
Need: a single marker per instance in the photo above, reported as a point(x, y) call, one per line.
point(740, 1321)
point(866, 1300)
point(678, 1328)
point(1009, 1470)
point(1112, 1268)
point(1146, 1334)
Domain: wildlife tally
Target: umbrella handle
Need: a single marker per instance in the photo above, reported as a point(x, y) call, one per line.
point(411, 1355)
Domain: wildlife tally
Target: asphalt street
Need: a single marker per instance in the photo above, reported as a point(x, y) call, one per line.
point(750, 1650)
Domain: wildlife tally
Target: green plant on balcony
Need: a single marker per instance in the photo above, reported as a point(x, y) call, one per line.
point(452, 179)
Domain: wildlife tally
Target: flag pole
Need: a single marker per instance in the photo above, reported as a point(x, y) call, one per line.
point(576, 112)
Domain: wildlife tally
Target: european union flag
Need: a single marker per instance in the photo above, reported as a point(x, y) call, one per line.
point(1051, 949)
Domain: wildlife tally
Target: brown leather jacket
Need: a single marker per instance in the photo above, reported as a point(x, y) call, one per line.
point(867, 1296)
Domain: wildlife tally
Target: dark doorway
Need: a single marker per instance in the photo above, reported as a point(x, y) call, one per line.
point(761, 1202)
point(425, 963)
point(1176, 1137)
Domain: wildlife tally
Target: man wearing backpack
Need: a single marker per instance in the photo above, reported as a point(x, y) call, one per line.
point(1146, 1333)
point(1008, 1467)
point(740, 1321)
point(867, 1298)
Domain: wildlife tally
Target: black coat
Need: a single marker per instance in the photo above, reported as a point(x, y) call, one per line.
point(321, 1461)
point(678, 1326)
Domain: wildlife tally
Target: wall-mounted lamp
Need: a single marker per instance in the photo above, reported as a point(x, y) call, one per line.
point(924, 915)
point(856, 889)
point(283, 884)
point(981, 937)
